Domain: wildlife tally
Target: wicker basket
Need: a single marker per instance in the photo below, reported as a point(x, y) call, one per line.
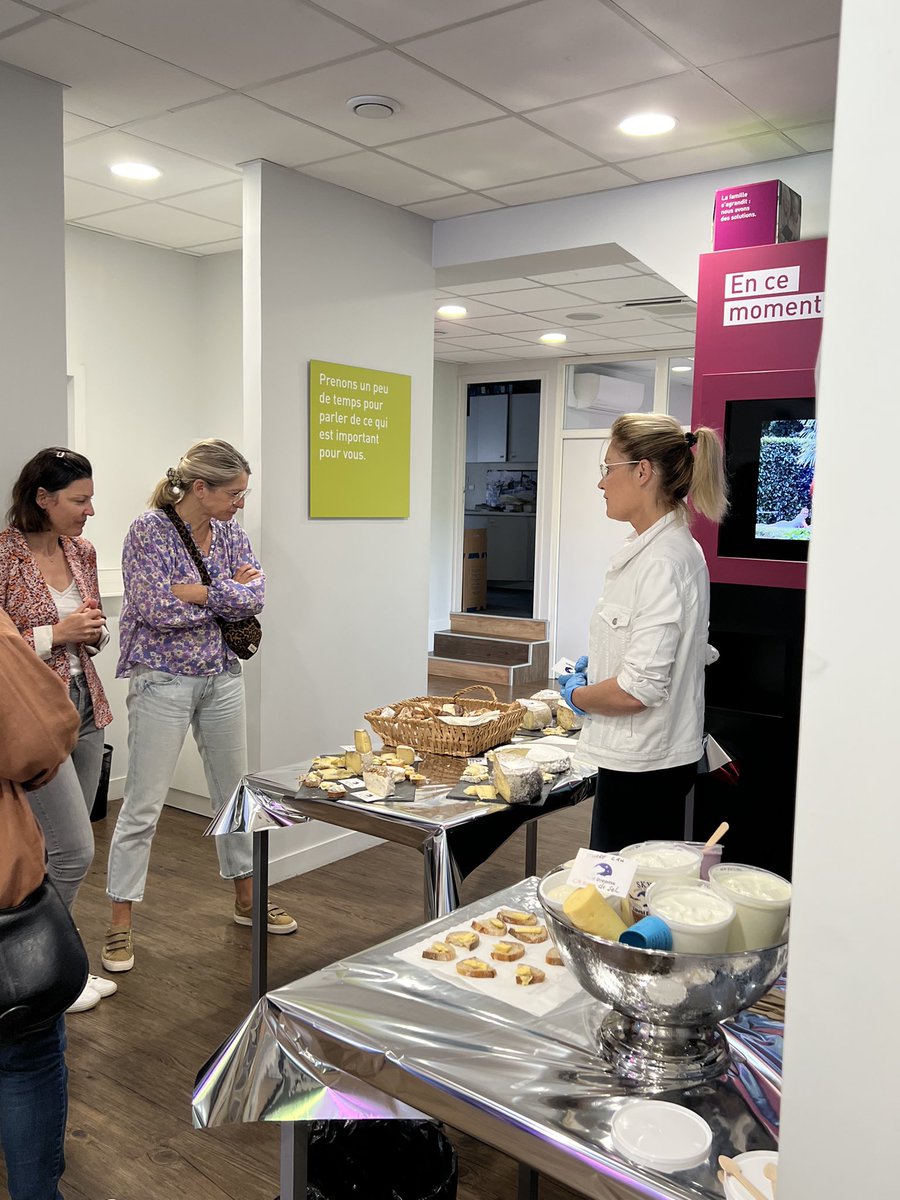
point(433, 736)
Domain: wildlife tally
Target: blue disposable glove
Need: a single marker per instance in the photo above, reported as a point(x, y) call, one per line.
point(582, 663)
point(568, 684)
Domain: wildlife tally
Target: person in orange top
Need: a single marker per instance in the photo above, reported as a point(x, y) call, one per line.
point(50, 590)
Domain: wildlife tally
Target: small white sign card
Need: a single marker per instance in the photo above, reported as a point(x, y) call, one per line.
point(611, 874)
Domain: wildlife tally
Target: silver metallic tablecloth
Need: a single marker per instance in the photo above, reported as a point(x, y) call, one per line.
point(269, 800)
point(372, 1036)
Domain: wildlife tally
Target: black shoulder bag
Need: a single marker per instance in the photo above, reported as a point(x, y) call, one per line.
point(241, 637)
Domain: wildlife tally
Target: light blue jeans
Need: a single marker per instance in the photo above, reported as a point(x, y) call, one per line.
point(63, 805)
point(161, 709)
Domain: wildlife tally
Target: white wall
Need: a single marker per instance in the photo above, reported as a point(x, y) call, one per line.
point(32, 314)
point(446, 496)
point(332, 275)
point(842, 1056)
point(154, 344)
point(666, 225)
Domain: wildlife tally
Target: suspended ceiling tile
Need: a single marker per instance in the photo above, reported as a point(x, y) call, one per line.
point(531, 300)
point(469, 356)
point(789, 87)
point(546, 52)
point(90, 160)
point(708, 31)
point(454, 206)
point(813, 137)
point(107, 82)
point(162, 225)
point(585, 275)
point(426, 103)
point(13, 15)
point(485, 341)
point(665, 341)
point(487, 156)
point(629, 330)
point(75, 127)
point(476, 309)
point(234, 42)
point(516, 284)
point(637, 287)
point(760, 148)
point(382, 178)
point(577, 183)
point(216, 247)
point(568, 315)
point(57, 6)
point(508, 323)
point(392, 20)
point(234, 129)
point(704, 111)
point(86, 199)
point(574, 335)
point(689, 324)
point(223, 203)
point(609, 346)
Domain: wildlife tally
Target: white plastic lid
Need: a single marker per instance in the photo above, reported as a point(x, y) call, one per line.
point(753, 1164)
point(661, 1135)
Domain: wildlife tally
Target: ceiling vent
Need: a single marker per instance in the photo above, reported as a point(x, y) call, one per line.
point(665, 306)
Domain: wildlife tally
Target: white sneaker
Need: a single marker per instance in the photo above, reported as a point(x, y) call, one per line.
point(89, 998)
point(103, 987)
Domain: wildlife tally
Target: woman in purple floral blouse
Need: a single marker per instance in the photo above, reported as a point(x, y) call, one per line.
point(182, 675)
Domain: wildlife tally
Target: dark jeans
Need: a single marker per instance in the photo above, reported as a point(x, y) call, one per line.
point(33, 1107)
point(640, 806)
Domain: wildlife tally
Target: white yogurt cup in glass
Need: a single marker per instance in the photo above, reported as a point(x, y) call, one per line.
point(697, 914)
point(657, 862)
point(762, 900)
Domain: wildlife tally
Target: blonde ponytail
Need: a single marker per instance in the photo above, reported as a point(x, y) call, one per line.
point(709, 490)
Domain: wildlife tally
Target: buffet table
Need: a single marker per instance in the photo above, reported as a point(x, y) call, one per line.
point(454, 836)
point(381, 1035)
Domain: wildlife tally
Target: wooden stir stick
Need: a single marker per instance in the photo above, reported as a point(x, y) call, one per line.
point(730, 1167)
point(770, 1170)
point(717, 836)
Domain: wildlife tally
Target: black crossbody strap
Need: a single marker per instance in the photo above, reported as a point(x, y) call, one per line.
point(189, 543)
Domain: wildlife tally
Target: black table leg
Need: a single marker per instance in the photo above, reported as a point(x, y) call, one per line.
point(259, 965)
point(529, 1183)
point(294, 1146)
point(531, 834)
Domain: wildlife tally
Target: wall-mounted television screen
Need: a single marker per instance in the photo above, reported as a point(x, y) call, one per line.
point(770, 454)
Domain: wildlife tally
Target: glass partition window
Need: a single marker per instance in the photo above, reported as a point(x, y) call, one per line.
point(680, 391)
point(597, 393)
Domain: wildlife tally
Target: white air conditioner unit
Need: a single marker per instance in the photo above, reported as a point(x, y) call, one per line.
point(603, 392)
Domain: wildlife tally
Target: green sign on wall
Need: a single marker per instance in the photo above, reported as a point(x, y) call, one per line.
point(359, 438)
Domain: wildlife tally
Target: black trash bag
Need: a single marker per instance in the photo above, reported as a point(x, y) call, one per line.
point(98, 810)
point(380, 1160)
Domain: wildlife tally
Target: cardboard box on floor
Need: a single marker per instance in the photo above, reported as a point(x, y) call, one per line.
point(474, 594)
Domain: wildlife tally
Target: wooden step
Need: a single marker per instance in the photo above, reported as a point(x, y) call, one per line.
point(535, 670)
point(520, 629)
point(476, 672)
point(448, 644)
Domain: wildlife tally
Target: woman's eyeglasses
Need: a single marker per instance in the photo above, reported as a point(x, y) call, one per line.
point(235, 496)
point(606, 467)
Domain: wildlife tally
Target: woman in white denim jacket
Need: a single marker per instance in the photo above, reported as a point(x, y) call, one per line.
point(643, 689)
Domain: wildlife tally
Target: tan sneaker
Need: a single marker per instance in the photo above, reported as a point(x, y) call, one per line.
point(278, 921)
point(118, 949)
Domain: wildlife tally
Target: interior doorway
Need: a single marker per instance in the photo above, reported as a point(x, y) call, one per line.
point(502, 436)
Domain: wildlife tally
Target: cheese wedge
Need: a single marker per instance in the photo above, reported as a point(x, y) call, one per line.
point(517, 780)
point(537, 714)
point(406, 754)
point(380, 782)
point(353, 762)
point(481, 791)
point(567, 718)
point(362, 743)
point(590, 911)
point(551, 699)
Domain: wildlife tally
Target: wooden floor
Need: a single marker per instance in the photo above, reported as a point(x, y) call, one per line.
point(133, 1059)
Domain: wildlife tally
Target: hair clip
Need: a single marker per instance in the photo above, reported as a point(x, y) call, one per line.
point(60, 454)
point(691, 439)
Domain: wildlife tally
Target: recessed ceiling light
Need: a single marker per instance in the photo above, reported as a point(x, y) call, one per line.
point(373, 108)
point(647, 124)
point(452, 310)
point(681, 368)
point(135, 170)
point(553, 339)
point(583, 316)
